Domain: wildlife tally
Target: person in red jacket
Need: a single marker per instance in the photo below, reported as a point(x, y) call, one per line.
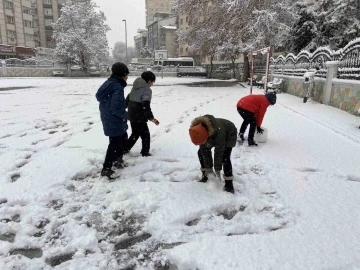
point(252, 109)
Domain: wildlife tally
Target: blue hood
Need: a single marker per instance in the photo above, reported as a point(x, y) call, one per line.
point(105, 91)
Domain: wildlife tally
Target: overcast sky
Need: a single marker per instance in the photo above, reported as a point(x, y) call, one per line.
point(133, 11)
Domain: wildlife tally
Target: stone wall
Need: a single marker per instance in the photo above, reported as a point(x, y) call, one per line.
point(345, 95)
point(296, 86)
point(31, 72)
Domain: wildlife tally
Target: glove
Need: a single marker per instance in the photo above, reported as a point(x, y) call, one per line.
point(217, 174)
point(260, 130)
point(155, 121)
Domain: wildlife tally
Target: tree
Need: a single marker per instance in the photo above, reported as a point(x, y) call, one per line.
point(303, 31)
point(119, 52)
point(232, 51)
point(330, 23)
point(252, 23)
point(146, 53)
point(80, 34)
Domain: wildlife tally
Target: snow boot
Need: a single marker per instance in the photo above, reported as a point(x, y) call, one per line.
point(120, 164)
point(204, 178)
point(107, 172)
point(252, 142)
point(229, 185)
point(146, 154)
point(241, 137)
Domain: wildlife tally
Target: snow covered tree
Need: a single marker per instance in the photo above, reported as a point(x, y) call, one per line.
point(231, 51)
point(80, 34)
point(146, 53)
point(253, 23)
point(119, 52)
point(304, 30)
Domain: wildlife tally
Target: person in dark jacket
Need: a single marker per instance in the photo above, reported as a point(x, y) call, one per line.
point(114, 116)
point(208, 132)
point(252, 109)
point(138, 103)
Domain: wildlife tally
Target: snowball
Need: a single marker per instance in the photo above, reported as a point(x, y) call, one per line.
point(261, 138)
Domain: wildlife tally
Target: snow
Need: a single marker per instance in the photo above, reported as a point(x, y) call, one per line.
point(296, 204)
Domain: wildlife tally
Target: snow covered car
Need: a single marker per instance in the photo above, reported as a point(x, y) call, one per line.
point(75, 68)
point(57, 73)
point(94, 71)
point(222, 69)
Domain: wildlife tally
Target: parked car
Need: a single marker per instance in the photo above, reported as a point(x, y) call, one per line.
point(94, 71)
point(76, 68)
point(222, 69)
point(57, 73)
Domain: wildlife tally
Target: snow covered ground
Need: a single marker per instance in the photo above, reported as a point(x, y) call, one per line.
point(296, 206)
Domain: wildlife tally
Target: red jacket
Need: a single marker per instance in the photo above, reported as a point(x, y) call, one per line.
point(256, 104)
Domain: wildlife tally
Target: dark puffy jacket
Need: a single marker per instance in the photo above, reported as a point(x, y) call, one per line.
point(222, 134)
point(112, 106)
point(138, 102)
point(256, 104)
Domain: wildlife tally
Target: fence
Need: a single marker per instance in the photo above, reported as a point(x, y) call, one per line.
point(337, 77)
point(296, 65)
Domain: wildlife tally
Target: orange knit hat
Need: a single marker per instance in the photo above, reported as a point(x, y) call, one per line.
point(198, 134)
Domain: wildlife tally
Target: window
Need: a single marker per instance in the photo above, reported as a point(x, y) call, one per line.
point(8, 5)
point(50, 44)
point(11, 34)
point(47, 2)
point(28, 10)
point(28, 24)
point(48, 22)
point(29, 37)
point(181, 50)
point(48, 11)
point(181, 21)
point(10, 19)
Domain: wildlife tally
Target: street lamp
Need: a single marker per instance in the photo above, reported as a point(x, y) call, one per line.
point(126, 42)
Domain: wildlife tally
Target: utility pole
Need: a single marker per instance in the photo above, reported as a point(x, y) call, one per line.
point(127, 59)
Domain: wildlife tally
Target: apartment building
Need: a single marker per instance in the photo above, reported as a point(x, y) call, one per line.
point(46, 13)
point(157, 6)
point(16, 25)
point(161, 35)
point(141, 39)
point(183, 22)
point(27, 24)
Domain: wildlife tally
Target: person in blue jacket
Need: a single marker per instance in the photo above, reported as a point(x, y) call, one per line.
point(114, 116)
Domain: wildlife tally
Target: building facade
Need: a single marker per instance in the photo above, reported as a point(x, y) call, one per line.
point(16, 23)
point(140, 40)
point(161, 35)
point(183, 24)
point(157, 6)
point(27, 24)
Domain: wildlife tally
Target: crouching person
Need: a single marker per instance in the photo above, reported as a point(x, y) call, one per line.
point(252, 109)
point(208, 132)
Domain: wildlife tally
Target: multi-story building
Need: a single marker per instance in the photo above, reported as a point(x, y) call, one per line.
point(46, 13)
point(157, 6)
point(27, 24)
point(183, 24)
point(16, 24)
point(161, 35)
point(141, 39)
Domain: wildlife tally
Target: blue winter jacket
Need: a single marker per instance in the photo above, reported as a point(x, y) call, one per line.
point(112, 106)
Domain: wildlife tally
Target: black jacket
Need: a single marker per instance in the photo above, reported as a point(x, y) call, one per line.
point(222, 134)
point(138, 102)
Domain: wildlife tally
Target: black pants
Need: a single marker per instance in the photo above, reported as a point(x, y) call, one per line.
point(227, 166)
point(139, 130)
point(115, 150)
point(249, 118)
